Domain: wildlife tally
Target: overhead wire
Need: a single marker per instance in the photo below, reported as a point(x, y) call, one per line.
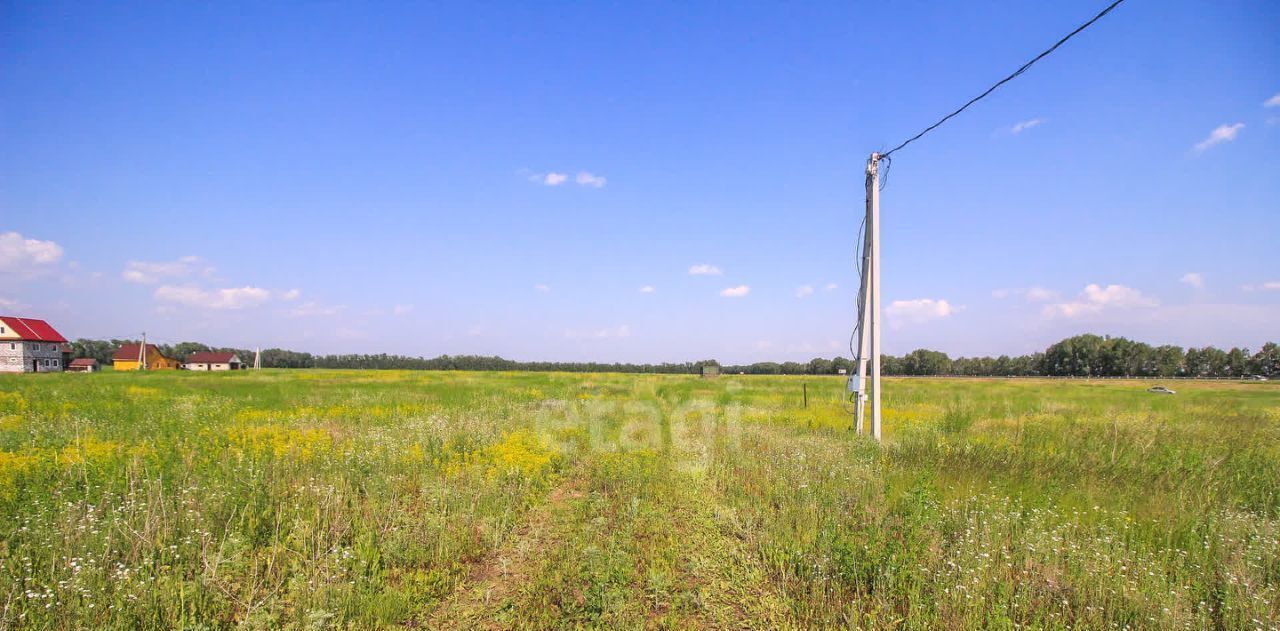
point(886, 158)
point(1005, 80)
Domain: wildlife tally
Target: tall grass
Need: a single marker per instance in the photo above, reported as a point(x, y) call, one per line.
point(344, 499)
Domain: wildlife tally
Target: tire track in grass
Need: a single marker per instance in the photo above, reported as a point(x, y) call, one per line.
point(492, 584)
point(634, 538)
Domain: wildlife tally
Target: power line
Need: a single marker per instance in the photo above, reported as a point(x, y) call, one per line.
point(1006, 79)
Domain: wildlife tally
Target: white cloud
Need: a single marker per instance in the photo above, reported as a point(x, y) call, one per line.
point(292, 294)
point(1272, 102)
point(703, 269)
point(587, 179)
point(1000, 294)
point(229, 298)
point(152, 272)
point(599, 334)
point(1040, 294)
point(647, 289)
point(831, 287)
point(400, 310)
point(1022, 126)
point(6, 303)
point(1271, 285)
point(1096, 298)
point(920, 310)
point(542, 288)
point(550, 179)
point(23, 257)
point(804, 291)
point(735, 292)
point(1195, 279)
point(311, 309)
point(1222, 133)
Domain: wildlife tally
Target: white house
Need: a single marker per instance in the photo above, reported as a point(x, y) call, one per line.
point(211, 360)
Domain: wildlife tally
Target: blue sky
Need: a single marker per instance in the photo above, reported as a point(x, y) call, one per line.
point(507, 178)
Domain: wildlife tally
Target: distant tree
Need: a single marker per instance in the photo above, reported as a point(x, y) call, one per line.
point(820, 366)
point(1169, 361)
point(100, 350)
point(1267, 360)
point(182, 350)
point(926, 362)
point(1237, 363)
point(1075, 356)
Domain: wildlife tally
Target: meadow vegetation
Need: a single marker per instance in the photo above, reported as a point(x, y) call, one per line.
point(376, 499)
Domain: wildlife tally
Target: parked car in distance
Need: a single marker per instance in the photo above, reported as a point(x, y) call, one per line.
point(1255, 378)
point(1161, 390)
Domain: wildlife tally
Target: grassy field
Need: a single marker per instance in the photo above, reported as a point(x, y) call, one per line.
point(328, 499)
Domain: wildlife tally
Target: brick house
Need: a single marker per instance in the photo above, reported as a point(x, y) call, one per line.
point(30, 345)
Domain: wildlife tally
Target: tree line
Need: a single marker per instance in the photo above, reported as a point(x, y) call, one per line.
point(1078, 356)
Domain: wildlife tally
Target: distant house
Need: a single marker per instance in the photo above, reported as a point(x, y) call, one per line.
point(213, 360)
point(83, 364)
point(128, 357)
point(30, 345)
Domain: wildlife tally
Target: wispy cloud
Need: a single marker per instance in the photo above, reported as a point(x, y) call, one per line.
point(556, 178)
point(920, 310)
point(1271, 285)
point(647, 289)
point(152, 272)
point(704, 269)
point(219, 299)
point(540, 287)
point(1220, 134)
point(1040, 294)
point(735, 292)
point(599, 334)
point(1022, 126)
point(1195, 279)
point(400, 310)
point(1096, 299)
point(804, 291)
point(831, 287)
point(1272, 102)
point(549, 179)
point(291, 294)
point(25, 257)
point(1031, 294)
point(313, 309)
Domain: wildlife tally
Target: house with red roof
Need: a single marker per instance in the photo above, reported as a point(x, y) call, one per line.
point(213, 360)
point(31, 345)
point(83, 364)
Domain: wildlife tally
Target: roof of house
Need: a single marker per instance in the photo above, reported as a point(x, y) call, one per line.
point(32, 330)
point(84, 361)
point(129, 352)
point(212, 357)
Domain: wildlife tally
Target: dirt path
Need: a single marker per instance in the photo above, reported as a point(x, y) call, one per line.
point(492, 586)
point(629, 539)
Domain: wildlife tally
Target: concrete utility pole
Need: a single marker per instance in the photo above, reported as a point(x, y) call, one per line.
point(257, 358)
point(869, 307)
point(142, 352)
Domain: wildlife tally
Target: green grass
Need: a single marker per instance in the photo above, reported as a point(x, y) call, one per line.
point(343, 499)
